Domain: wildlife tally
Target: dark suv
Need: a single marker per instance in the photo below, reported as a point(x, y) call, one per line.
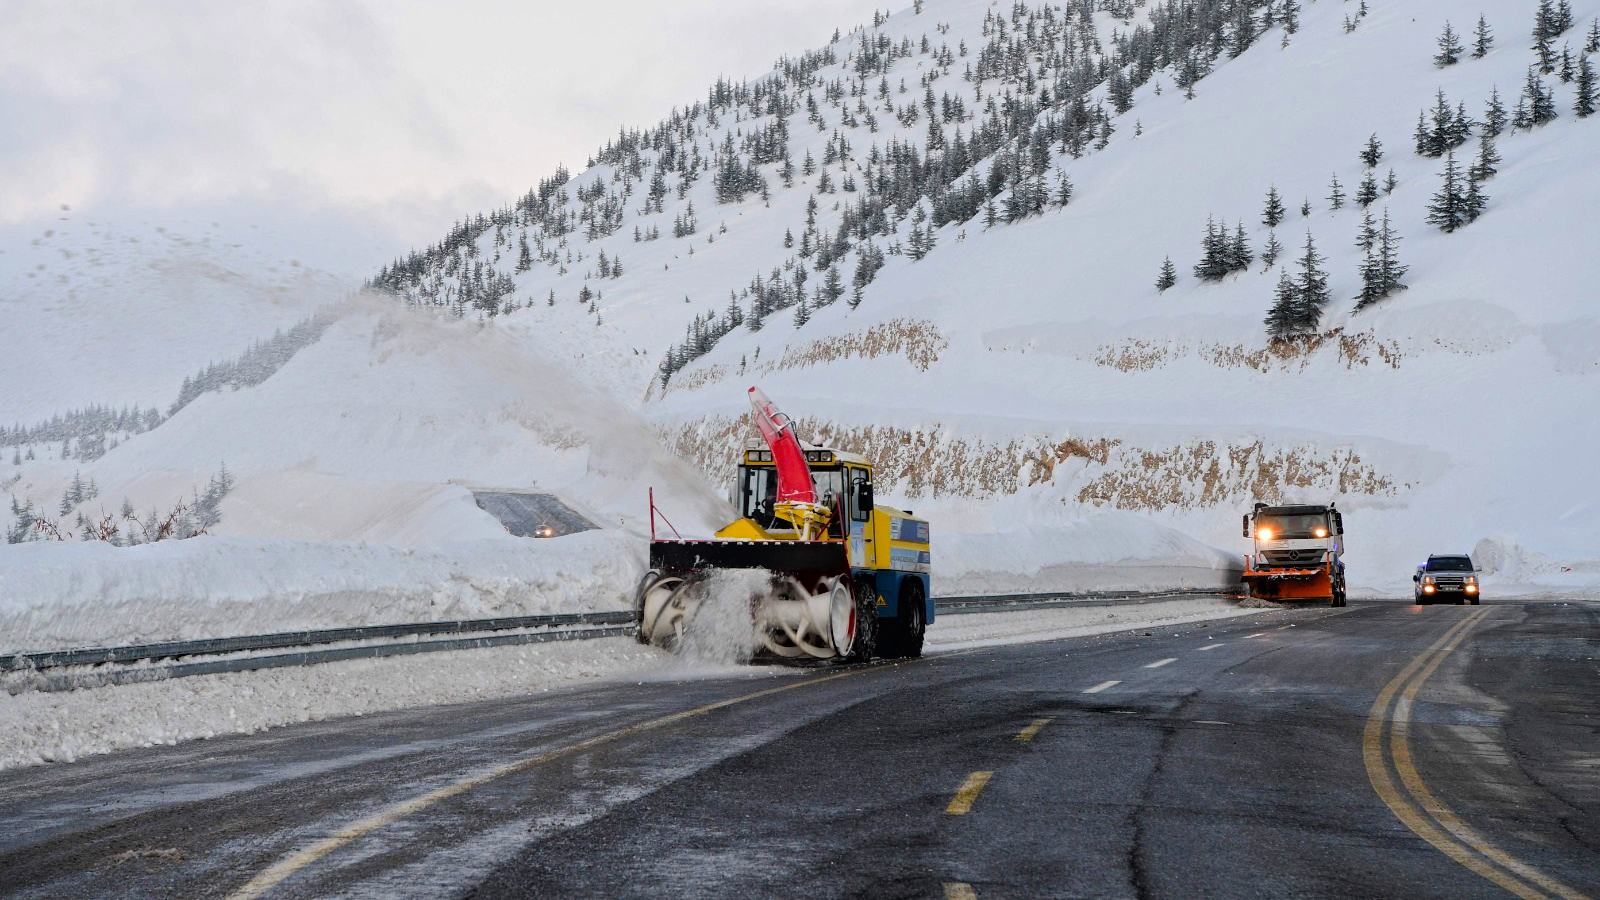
point(1450, 578)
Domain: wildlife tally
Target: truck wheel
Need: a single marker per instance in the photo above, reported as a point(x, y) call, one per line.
point(866, 640)
point(903, 635)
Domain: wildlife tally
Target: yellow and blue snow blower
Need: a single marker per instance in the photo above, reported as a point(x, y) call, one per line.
point(849, 579)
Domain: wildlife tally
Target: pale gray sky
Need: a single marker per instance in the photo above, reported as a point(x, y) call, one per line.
point(392, 116)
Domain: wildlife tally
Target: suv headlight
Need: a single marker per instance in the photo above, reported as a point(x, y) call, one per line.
point(1427, 579)
point(1472, 579)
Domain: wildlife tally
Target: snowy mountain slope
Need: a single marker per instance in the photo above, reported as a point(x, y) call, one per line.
point(118, 312)
point(1041, 332)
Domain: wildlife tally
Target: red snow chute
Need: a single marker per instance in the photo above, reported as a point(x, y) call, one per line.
point(794, 476)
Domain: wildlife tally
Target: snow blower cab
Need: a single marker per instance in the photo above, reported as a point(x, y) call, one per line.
point(846, 579)
point(1298, 553)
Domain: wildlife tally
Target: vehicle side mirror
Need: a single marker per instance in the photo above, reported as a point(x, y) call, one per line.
point(864, 495)
point(1416, 578)
point(1246, 526)
point(1338, 523)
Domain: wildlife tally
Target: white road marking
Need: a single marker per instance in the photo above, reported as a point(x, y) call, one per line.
point(1161, 662)
point(1257, 634)
point(1102, 686)
point(1212, 646)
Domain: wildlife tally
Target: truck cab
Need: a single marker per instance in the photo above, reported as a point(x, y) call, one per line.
point(1297, 554)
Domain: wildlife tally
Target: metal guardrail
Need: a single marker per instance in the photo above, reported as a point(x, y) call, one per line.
point(213, 646)
point(979, 603)
point(73, 680)
point(32, 668)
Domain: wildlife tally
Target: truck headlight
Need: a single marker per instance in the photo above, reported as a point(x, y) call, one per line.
point(1264, 534)
point(1320, 532)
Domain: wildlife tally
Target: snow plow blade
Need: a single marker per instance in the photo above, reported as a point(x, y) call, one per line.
point(792, 557)
point(1290, 584)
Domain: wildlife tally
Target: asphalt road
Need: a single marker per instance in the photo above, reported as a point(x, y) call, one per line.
point(1381, 750)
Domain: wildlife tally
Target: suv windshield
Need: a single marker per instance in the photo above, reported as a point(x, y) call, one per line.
point(1449, 564)
point(1283, 526)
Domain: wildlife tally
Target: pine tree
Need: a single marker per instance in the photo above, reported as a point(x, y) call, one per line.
point(1272, 214)
point(802, 313)
point(1215, 252)
point(1583, 103)
point(1063, 188)
point(1368, 190)
point(1381, 271)
point(1488, 159)
point(1336, 192)
point(1305, 208)
point(1494, 117)
point(1271, 251)
point(1483, 40)
point(1368, 235)
point(1312, 288)
point(1372, 153)
point(1449, 207)
point(1591, 43)
point(1390, 183)
point(1283, 316)
point(1168, 276)
point(1449, 48)
point(1239, 254)
point(1539, 99)
point(1474, 201)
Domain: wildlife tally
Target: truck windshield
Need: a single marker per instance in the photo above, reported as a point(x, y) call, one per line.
point(1283, 526)
point(758, 488)
point(1449, 564)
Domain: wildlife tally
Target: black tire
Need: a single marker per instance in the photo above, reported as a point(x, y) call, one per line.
point(902, 636)
point(1475, 600)
point(867, 625)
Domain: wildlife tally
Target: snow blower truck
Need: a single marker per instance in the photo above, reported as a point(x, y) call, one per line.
point(848, 579)
point(1298, 552)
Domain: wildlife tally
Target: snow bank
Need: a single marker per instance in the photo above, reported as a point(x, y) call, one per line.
point(1106, 551)
point(61, 727)
point(1511, 568)
point(55, 595)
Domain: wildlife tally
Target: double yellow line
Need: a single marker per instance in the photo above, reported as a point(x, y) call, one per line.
point(1386, 744)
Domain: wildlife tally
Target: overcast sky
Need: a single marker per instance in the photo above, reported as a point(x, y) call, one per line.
point(395, 116)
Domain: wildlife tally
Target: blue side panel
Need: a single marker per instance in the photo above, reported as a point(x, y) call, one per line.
point(889, 584)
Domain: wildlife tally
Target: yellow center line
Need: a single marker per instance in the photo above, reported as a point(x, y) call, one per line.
point(959, 890)
point(293, 863)
point(962, 802)
point(1400, 746)
point(1460, 848)
point(1027, 734)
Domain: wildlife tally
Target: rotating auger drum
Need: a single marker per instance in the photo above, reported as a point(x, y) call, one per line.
point(807, 608)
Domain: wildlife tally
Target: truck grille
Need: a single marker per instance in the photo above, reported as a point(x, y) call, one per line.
point(1453, 580)
point(1293, 558)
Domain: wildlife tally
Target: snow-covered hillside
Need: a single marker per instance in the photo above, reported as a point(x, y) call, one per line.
point(1023, 375)
point(881, 233)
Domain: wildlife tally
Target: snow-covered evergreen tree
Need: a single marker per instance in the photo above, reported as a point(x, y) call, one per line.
point(1450, 48)
point(1272, 213)
point(1168, 276)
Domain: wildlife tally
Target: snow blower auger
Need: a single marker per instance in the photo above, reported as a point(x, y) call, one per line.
point(848, 579)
